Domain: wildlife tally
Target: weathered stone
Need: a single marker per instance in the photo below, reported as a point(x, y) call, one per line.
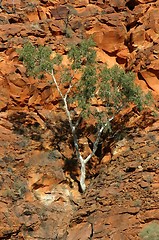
point(151, 79)
point(39, 191)
point(80, 232)
point(144, 184)
point(110, 39)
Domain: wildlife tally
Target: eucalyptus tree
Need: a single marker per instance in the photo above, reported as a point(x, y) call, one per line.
point(113, 87)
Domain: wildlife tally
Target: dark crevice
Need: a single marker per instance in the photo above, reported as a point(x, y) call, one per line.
point(132, 24)
point(130, 169)
point(131, 4)
point(4, 109)
point(92, 231)
point(9, 235)
point(156, 72)
point(112, 54)
point(12, 20)
point(121, 60)
point(3, 47)
point(149, 220)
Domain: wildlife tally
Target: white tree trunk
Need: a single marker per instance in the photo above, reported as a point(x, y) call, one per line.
point(73, 127)
point(83, 175)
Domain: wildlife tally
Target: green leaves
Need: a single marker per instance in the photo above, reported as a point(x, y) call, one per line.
point(37, 59)
point(82, 54)
point(117, 89)
point(86, 85)
point(28, 56)
point(83, 59)
point(112, 86)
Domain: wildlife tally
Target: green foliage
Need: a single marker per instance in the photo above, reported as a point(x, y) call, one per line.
point(37, 59)
point(117, 89)
point(150, 232)
point(113, 86)
point(82, 54)
point(86, 87)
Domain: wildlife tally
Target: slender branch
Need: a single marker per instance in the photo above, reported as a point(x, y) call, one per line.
point(71, 85)
point(95, 144)
point(68, 91)
point(78, 120)
point(73, 128)
point(57, 86)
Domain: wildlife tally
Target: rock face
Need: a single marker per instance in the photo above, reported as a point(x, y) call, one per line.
point(39, 198)
point(123, 198)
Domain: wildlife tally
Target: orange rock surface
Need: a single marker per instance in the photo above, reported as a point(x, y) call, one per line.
point(39, 192)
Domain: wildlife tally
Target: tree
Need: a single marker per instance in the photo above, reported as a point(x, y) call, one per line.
point(113, 87)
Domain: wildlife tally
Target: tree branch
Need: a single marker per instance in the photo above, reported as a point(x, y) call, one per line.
point(78, 120)
point(73, 128)
point(69, 89)
point(57, 86)
point(95, 144)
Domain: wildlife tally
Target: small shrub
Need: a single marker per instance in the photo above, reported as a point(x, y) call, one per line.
point(150, 232)
point(137, 203)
